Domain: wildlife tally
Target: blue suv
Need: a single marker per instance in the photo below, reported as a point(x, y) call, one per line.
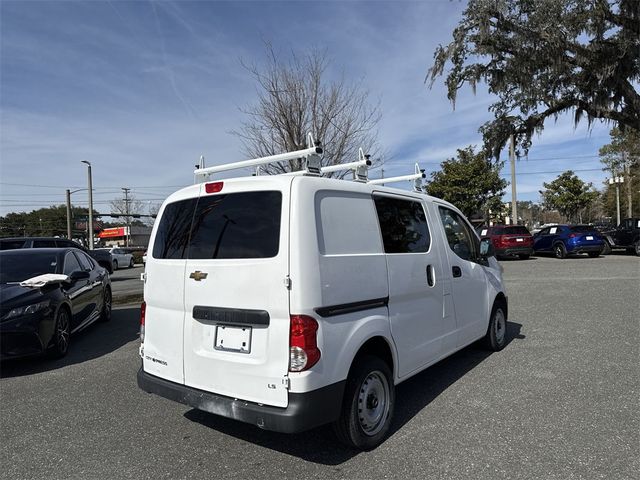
point(562, 240)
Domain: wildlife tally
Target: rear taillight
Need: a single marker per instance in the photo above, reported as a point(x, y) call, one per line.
point(303, 343)
point(573, 235)
point(498, 241)
point(143, 312)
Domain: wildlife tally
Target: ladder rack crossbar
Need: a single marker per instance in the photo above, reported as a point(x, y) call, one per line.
point(413, 176)
point(281, 157)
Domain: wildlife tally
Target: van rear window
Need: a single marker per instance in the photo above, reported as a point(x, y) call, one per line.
point(236, 225)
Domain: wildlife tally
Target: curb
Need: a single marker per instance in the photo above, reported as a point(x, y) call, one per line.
point(130, 298)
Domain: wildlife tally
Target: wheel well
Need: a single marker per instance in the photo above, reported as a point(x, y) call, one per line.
point(378, 347)
point(502, 301)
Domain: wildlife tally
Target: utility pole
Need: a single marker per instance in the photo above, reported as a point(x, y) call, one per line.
point(512, 159)
point(69, 214)
point(617, 181)
point(627, 173)
point(126, 210)
point(90, 204)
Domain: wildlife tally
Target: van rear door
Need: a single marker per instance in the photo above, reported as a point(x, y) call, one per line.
point(236, 329)
point(164, 287)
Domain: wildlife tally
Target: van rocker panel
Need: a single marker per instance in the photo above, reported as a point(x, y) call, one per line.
point(304, 411)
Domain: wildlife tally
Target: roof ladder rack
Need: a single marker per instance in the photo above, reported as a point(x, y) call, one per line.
point(417, 177)
point(311, 156)
point(360, 168)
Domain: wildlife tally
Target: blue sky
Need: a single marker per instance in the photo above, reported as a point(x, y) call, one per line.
point(142, 89)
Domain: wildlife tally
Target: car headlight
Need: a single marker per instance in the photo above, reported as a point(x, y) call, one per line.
point(26, 310)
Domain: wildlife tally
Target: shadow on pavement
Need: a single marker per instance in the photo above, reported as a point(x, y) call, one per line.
point(321, 446)
point(97, 340)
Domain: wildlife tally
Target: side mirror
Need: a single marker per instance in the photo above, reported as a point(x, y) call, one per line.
point(486, 248)
point(78, 275)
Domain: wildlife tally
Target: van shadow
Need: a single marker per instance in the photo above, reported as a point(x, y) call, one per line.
point(321, 446)
point(95, 341)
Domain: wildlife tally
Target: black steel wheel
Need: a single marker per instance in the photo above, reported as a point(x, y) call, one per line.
point(367, 406)
point(496, 336)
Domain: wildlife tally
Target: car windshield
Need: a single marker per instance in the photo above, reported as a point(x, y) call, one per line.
point(582, 228)
point(17, 267)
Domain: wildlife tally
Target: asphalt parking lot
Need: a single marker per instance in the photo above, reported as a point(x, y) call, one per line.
point(126, 284)
point(561, 401)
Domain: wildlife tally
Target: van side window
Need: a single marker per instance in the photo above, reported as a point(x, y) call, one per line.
point(459, 236)
point(346, 223)
point(403, 225)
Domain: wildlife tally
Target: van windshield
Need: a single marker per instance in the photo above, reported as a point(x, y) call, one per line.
point(236, 225)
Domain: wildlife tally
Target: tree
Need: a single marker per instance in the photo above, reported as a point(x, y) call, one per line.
point(470, 182)
point(46, 222)
point(126, 207)
point(294, 99)
point(622, 157)
point(545, 57)
point(568, 194)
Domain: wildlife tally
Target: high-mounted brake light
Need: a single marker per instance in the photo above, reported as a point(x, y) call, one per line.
point(143, 313)
point(213, 187)
point(303, 343)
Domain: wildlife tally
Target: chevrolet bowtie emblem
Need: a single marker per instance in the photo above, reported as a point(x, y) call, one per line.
point(198, 275)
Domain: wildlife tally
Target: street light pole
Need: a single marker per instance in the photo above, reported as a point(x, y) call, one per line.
point(617, 181)
point(512, 160)
point(90, 204)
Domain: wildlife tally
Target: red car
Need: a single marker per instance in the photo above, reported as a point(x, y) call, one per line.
point(509, 240)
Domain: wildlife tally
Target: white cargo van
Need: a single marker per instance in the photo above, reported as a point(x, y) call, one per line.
point(292, 301)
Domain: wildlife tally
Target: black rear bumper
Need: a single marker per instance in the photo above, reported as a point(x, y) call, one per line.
point(587, 249)
point(305, 410)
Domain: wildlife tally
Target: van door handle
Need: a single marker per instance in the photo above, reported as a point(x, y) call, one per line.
point(430, 277)
point(457, 271)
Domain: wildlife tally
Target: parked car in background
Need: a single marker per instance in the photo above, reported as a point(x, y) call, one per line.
point(509, 240)
point(103, 257)
point(542, 227)
point(563, 240)
point(624, 236)
point(40, 316)
point(120, 258)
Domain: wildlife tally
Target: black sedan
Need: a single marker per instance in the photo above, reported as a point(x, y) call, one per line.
point(40, 314)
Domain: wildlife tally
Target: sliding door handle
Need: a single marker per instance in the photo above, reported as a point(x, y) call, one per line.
point(457, 271)
point(430, 276)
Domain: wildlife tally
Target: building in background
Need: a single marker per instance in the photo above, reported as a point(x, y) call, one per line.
point(117, 236)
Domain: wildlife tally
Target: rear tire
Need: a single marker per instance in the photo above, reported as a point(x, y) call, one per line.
point(637, 248)
point(115, 265)
point(367, 406)
point(524, 257)
point(131, 263)
point(496, 337)
point(560, 251)
point(61, 334)
point(594, 254)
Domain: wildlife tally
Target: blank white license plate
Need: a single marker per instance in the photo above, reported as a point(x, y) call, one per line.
point(589, 237)
point(519, 239)
point(233, 339)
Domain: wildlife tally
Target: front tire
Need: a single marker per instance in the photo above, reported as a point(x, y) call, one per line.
point(115, 265)
point(105, 314)
point(560, 251)
point(131, 263)
point(496, 337)
point(637, 248)
point(607, 248)
point(367, 406)
point(61, 334)
point(594, 254)
point(524, 256)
